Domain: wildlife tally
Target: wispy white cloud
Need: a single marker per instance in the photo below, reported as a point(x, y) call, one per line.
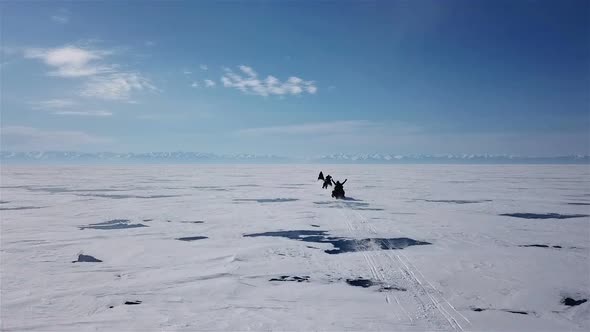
point(66, 107)
point(248, 71)
point(52, 104)
point(71, 61)
point(103, 81)
point(85, 113)
point(116, 86)
point(29, 138)
point(195, 85)
point(187, 72)
point(209, 83)
point(203, 67)
point(149, 43)
point(248, 82)
point(62, 16)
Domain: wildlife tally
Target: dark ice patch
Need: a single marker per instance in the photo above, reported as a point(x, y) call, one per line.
point(343, 245)
point(132, 302)
point(455, 201)
point(360, 282)
point(351, 199)
point(392, 288)
point(572, 302)
point(351, 204)
point(246, 185)
point(312, 225)
point(113, 224)
point(540, 246)
point(291, 278)
point(192, 221)
point(192, 238)
point(368, 209)
point(57, 190)
point(148, 220)
point(505, 310)
point(543, 215)
point(87, 259)
point(51, 190)
point(4, 202)
point(342, 203)
point(266, 200)
point(211, 188)
point(517, 312)
point(578, 203)
point(123, 196)
point(21, 208)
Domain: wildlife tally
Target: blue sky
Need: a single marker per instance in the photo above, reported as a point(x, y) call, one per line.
point(297, 78)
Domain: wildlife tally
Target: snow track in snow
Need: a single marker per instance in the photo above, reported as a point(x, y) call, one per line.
point(421, 302)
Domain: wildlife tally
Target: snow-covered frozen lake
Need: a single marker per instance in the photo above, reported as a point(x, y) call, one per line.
point(202, 247)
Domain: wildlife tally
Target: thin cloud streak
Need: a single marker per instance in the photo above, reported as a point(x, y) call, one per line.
point(329, 128)
point(61, 17)
point(85, 113)
point(35, 139)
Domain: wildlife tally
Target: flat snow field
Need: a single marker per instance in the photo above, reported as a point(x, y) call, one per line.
point(204, 247)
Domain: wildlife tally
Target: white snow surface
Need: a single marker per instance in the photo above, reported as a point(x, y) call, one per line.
point(222, 282)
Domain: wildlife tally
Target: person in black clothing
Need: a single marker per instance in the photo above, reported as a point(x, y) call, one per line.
point(327, 182)
point(338, 191)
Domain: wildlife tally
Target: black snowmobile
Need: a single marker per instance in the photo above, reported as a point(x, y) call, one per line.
point(338, 191)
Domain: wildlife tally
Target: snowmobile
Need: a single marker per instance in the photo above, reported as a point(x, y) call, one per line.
point(338, 191)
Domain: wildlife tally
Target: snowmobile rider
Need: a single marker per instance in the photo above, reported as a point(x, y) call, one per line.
point(327, 182)
point(338, 191)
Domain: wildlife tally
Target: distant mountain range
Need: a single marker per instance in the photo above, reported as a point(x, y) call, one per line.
point(148, 157)
point(197, 157)
point(449, 159)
